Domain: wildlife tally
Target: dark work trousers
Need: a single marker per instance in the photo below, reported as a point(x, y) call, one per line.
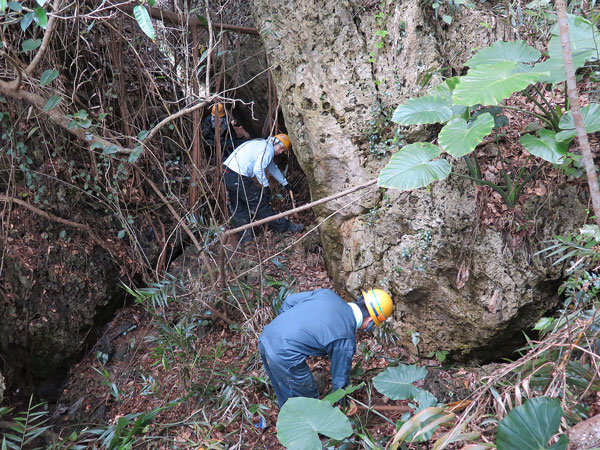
point(247, 200)
point(296, 381)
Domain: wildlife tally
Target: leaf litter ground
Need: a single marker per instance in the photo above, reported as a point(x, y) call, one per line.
point(218, 381)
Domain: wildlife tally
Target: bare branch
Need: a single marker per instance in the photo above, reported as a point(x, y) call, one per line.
point(174, 116)
point(299, 208)
point(179, 19)
point(56, 116)
point(46, 215)
point(45, 41)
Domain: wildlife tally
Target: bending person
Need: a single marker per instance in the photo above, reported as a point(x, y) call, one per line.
point(317, 323)
point(247, 200)
point(231, 133)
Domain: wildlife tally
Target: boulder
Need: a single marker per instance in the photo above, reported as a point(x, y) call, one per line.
point(340, 69)
point(585, 435)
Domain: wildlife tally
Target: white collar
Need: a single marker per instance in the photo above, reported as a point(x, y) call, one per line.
point(357, 314)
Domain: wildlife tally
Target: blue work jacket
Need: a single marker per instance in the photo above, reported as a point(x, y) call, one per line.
point(316, 323)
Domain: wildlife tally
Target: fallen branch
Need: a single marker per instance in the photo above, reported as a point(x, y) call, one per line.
point(298, 209)
point(180, 19)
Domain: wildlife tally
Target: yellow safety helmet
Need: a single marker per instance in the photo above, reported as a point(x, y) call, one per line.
point(379, 303)
point(218, 109)
point(284, 139)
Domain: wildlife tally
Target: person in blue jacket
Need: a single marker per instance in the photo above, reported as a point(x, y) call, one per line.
point(318, 323)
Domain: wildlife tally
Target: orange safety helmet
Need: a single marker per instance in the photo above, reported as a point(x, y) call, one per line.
point(379, 304)
point(284, 139)
point(218, 109)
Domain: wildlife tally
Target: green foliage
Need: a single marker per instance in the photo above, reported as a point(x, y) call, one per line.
point(382, 137)
point(107, 380)
point(414, 167)
point(584, 38)
point(52, 103)
point(336, 396)
point(581, 247)
point(25, 427)
point(15, 146)
point(489, 84)
point(591, 119)
point(157, 295)
point(530, 427)
point(466, 105)
point(302, 419)
point(423, 110)
point(396, 382)
point(545, 146)
point(500, 52)
point(458, 138)
point(381, 33)
point(143, 19)
point(421, 426)
point(126, 432)
point(453, 7)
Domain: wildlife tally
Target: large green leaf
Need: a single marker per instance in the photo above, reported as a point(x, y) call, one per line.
point(545, 146)
point(582, 33)
point(143, 19)
point(425, 399)
point(422, 110)
point(584, 38)
point(530, 427)
point(445, 88)
point(396, 382)
point(302, 419)
point(555, 67)
point(489, 84)
point(460, 139)
point(500, 51)
point(591, 119)
point(412, 167)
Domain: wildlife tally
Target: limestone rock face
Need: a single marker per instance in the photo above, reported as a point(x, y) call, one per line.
point(585, 435)
point(341, 68)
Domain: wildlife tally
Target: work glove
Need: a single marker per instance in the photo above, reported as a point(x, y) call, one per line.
point(290, 188)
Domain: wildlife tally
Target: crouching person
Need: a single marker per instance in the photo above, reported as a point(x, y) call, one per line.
point(251, 160)
point(317, 323)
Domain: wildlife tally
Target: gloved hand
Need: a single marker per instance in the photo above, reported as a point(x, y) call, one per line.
point(290, 188)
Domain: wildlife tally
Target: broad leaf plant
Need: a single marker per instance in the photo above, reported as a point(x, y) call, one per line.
point(470, 108)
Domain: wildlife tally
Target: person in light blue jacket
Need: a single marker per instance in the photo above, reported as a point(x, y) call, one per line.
point(253, 159)
point(317, 323)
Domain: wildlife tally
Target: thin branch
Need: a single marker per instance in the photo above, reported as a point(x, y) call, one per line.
point(45, 41)
point(56, 116)
point(174, 116)
point(180, 19)
point(46, 215)
point(575, 107)
point(299, 208)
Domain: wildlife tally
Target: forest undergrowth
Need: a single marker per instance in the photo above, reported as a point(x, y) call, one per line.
point(169, 374)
